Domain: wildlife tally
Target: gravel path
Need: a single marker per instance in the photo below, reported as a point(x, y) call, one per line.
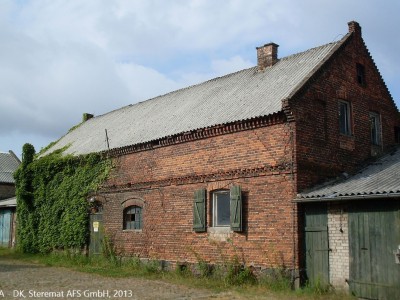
point(21, 279)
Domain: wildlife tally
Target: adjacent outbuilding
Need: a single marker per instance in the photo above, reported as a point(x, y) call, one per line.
point(352, 230)
point(9, 163)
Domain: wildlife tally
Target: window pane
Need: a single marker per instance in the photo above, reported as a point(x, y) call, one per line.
point(222, 209)
point(375, 128)
point(129, 225)
point(344, 118)
point(360, 74)
point(133, 217)
point(138, 218)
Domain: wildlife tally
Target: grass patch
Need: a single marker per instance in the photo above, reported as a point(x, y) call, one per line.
point(231, 278)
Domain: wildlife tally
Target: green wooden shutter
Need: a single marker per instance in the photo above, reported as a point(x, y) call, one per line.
point(236, 208)
point(199, 210)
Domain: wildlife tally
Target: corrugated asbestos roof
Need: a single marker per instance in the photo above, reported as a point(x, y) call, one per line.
point(8, 165)
point(381, 177)
point(239, 96)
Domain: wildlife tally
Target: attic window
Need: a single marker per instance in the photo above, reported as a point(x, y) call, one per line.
point(360, 74)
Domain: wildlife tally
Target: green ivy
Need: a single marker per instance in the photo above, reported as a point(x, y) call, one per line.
point(52, 211)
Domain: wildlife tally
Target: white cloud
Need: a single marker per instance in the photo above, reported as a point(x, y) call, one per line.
point(144, 83)
point(222, 66)
point(61, 58)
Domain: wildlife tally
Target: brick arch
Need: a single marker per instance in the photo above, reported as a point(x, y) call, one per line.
point(133, 201)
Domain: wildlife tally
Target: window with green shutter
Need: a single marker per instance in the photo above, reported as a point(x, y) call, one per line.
point(227, 208)
point(199, 210)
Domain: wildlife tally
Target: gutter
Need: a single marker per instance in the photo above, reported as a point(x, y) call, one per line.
point(347, 198)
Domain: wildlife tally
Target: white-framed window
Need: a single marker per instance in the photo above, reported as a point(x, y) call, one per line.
point(344, 117)
point(221, 209)
point(375, 125)
point(133, 218)
point(225, 211)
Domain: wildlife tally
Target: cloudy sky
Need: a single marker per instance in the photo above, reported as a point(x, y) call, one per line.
point(61, 58)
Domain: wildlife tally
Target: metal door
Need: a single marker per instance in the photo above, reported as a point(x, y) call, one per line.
point(316, 244)
point(96, 233)
point(374, 237)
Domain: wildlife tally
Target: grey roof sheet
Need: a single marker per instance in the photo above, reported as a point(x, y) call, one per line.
point(10, 202)
point(8, 165)
point(381, 177)
point(239, 96)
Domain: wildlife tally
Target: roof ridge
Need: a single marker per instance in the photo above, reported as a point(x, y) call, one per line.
point(310, 49)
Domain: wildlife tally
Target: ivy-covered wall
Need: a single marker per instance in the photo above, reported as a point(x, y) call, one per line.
point(52, 207)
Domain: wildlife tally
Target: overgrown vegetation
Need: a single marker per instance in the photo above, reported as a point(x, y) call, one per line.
point(52, 210)
point(216, 280)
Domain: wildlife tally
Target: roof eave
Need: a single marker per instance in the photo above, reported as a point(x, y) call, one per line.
point(347, 198)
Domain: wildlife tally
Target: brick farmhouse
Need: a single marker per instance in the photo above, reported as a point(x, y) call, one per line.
point(225, 169)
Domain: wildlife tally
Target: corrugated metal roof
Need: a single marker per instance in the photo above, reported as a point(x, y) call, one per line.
point(8, 165)
point(381, 177)
point(239, 96)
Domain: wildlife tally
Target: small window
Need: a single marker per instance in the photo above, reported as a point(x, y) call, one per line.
point(226, 209)
point(221, 209)
point(375, 124)
point(360, 74)
point(133, 217)
point(344, 118)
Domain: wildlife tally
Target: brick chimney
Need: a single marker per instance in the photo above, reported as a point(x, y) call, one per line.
point(267, 55)
point(355, 28)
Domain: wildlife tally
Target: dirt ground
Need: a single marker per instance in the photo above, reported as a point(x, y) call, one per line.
point(21, 280)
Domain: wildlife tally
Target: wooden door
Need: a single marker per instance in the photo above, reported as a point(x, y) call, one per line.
point(5, 227)
point(316, 244)
point(374, 237)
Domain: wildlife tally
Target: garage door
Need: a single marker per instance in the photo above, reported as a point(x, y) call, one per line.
point(374, 237)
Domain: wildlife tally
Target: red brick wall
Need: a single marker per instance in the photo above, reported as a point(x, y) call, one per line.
point(321, 150)
point(258, 160)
